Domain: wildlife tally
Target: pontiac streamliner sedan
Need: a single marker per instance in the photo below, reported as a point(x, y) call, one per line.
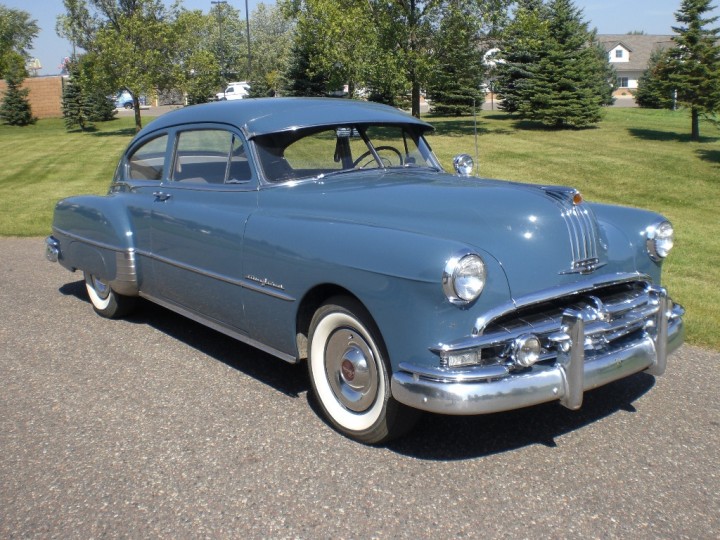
point(327, 231)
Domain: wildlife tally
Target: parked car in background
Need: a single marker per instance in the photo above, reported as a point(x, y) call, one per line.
point(124, 100)
point(326, 231)
point(234, 90)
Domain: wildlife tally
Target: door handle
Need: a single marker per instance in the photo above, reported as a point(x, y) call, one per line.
point(161, 196)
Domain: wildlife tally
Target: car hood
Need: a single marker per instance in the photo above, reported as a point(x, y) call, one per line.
point(539, 236)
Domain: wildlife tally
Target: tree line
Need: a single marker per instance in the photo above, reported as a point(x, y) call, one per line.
point(540, 57)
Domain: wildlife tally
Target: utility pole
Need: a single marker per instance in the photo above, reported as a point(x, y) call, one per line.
point(247, 23)
point(218, 4)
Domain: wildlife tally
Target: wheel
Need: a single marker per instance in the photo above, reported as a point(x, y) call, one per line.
point(129, 105)
point(378, 149)
point(106, 302)
point(350, 377)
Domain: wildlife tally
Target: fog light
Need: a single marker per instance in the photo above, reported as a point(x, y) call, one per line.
point(463, 358)
point(526, 350)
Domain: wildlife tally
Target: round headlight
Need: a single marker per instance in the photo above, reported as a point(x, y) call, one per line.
point(464, 278)
point(660, 240)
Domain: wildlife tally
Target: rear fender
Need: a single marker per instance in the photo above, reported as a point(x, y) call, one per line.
point(101, 241)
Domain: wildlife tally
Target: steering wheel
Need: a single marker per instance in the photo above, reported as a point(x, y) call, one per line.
point(383, 159)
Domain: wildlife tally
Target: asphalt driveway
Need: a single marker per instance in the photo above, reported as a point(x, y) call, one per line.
point(158, 427)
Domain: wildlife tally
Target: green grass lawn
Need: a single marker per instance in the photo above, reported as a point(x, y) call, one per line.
point(634, 157)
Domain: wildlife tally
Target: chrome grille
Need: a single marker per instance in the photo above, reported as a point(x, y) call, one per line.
point(610, 315)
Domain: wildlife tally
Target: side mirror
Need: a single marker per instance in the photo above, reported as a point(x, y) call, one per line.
point(463, 165)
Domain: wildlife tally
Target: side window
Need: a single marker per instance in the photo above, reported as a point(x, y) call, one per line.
point(148, 161)
point(238, 167)
point(210, 156)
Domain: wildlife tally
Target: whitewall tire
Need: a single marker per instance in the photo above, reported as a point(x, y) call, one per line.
point(350, 374)
point(106, 302)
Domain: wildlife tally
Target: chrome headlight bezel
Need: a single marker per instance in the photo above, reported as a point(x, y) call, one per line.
point(464, 277)
point(659, 240)
point(463, 165)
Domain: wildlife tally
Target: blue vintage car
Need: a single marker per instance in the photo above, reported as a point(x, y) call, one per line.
point(327, 231)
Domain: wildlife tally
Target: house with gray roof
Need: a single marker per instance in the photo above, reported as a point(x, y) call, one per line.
point(630, 55)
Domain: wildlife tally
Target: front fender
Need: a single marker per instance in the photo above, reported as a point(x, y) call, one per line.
point(626, 229)
point(396, 274)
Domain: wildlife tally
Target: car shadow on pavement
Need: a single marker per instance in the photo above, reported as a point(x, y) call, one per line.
point(435, 437)
point(289, 379)
point(440, 437)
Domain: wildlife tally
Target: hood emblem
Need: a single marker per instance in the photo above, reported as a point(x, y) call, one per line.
point(585, 266)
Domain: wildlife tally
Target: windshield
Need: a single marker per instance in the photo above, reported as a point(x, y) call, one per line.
point(316, 152)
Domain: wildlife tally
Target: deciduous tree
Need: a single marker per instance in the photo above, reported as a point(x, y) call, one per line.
point(271, 35)
point(334, 45)
point(17, 31)
point(133, 41)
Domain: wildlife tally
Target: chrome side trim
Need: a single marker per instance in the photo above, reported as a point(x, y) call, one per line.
point(244, 283)
point(220, 327)
point(126, 279)
point(128, 264)
point(95, 243)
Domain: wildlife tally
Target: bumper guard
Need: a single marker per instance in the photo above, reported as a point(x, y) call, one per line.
point(494, 388)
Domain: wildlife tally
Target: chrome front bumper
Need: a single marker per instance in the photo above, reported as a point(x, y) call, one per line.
point(52, 249)
point(494, 388)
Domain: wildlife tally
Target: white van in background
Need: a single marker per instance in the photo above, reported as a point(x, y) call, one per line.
point(234, 90)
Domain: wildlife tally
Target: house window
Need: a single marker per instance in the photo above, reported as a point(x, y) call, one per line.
point(623, 82)
point(618, 53)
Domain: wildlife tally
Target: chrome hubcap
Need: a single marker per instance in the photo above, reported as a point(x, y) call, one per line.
point(351, 370)
point(101, 288)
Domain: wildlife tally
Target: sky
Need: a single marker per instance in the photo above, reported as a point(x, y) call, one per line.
point(608, 16)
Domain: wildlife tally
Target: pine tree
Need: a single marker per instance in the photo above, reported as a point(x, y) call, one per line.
point(101, 107)
point(694, 64)
point(522, 45)
point(84, 99)
point(76, 109)
point(567, 86)
point(302, 81)
point(456, 83)
point(653, 91)
point(15, 109)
